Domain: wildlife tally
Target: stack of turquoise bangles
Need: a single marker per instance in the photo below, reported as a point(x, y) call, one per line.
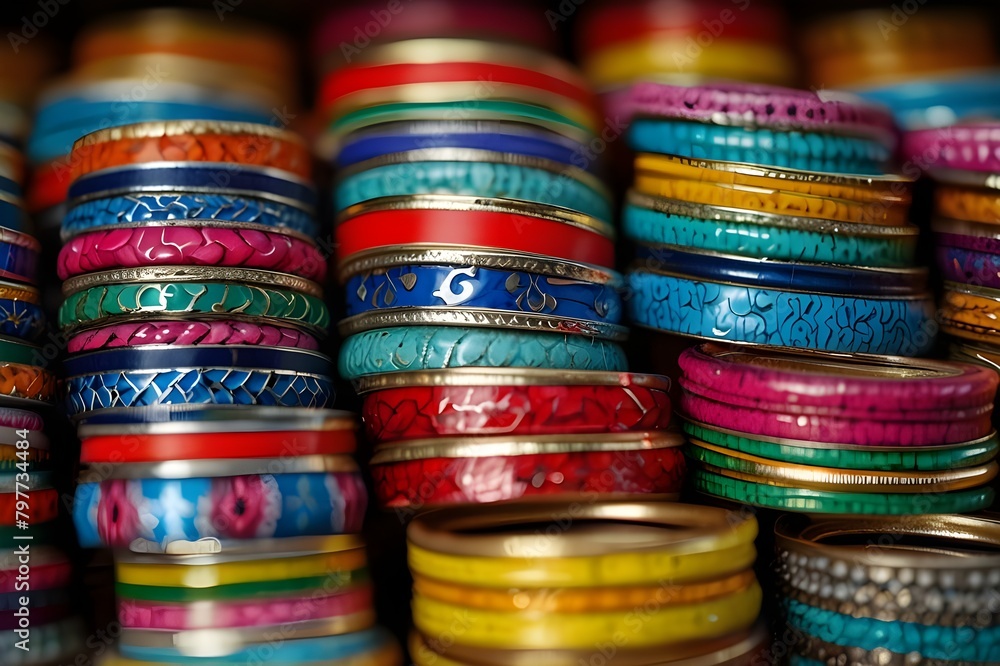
point(913, 590)
point(760, 217)
point(807, 432)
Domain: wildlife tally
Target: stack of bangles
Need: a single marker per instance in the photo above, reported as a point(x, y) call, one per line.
point(890, 592)
point(776, 230)
point(811, 433)
point(651, 583)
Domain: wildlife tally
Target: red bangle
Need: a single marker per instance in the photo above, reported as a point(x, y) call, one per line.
point(46, 576)
point(462, 479)
point(349, 80)
point(626, 403)
point(481, 229)
point(49, 185)
point(43, 506)
point(128, 448)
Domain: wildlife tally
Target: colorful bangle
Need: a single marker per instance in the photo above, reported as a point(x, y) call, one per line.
point(970, 312)
point(21, 319)
point(18, 257)
point(846, 456)
point(486, 223)
point(42, 506)
point(461, 401)
point(333, 581)
point(844, 383)
point(21, 419)
point(207, 209)
point(191, 141)
point(970, 147)
point(27, 382)
point(114, 303)
point(116, 512)
point(482, 178)
point(50, 570)
point(792, 149)
point(186, 333)
point(658, 221)
point(468, 471)
point(477, 317)
point(683, 543)
point(966, 204)
point(199, 356)
point(967, 266)
point(437, 347)
point(226, 419)
point(836, 323)
point(762, 494)
point(904, 431)
point(124, 247)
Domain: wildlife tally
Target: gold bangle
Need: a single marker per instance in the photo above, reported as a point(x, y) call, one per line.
point(19, 292)
point(508, 377)
point(971, 312)
point(968, 204)
point(169, 128)
point(175, 274)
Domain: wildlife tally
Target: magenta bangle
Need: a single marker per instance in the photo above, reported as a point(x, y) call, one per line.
point(817, 381)
point(966, 147)
point(231, 615)
point(20, 418)
point(136, 334)
point(830, 429)
point(136, 247)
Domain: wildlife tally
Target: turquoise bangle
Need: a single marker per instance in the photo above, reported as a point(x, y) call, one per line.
point(910, 458)
point(965, 644)
point(484, 179)
point(437, 347)
point(901, 326)
point(822, 501)
point(807, 151)
point(796, 660)
point(760, 240)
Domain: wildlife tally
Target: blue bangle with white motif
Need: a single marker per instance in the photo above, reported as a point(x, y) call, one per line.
point(202, 356)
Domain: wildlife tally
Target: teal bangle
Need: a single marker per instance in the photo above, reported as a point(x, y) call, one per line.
point(21, 353)
point(412, 348)
point(959, 644)
point(763, 236)
point(796, 660)
point(160, 300)
point(885, 459)
point(484, 179)
point(822, 501)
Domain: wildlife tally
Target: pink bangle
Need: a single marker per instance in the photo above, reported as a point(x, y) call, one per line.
point(137, 334)
point(813, 383)
point(232, 615)
point(135, 247)
point(964, 147)
point(832, 430)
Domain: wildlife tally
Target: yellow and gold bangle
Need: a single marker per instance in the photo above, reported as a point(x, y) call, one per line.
point(968, 203)
point(539, 630)
point(19, 292)
point(971, 312)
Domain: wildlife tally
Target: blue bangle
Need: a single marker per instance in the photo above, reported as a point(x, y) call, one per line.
point(11, 188)
point(190, 413)
point(477, 287)
point(806, 151)
point(759, 237)
point(304, 651)
point(814, 278)
point(204, 356)
point(230, 178)
point(209, 386)
point(12, 215)
point(20, 319)
point(139, 208)
point(18, 263)
point(484, 179)
point(741, 313)
point(966, 644)
point(439, 347)
point(250, 506)
point(937, 102)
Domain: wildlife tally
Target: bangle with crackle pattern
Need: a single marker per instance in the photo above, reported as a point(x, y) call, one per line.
point(847, 456)
point(490, 469)
point(481, 401)
point(110, 513)
point(125, 247)
point(138, 334)
point(870, 385)
point(763, 494)
point(658, 221)
point(438, 347)
point(823, 322)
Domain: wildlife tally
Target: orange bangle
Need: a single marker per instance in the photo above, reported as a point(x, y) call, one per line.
point(967, 203)
point(10, 453)
point(580, 600)
point(971, 313)
point(43, 506)
point(27, 381)
point(49, 185)
point(889, 66)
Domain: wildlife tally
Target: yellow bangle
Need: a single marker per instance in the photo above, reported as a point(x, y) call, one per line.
point(579, 600)
point(538, 630)
point(968, 204)
point(241, 571)
point(970, 313)
point(770, 200)
point(726, 59)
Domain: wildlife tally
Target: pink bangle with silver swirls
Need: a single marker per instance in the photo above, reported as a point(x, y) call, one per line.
point(832, 430)
point(135, 247)
point(137, 334)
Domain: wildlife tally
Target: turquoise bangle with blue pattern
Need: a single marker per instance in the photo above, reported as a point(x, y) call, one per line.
point(897, 326)
point(437, 347)
point(485, 179)
point(807, 151)
point(661, 221)
point(965, 644)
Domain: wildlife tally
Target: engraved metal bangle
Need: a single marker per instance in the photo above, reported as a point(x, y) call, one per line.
point(977, 179)
point(509, 377)
point(195, 224)
point(163, 274)
point(196, 469)
point(214, 420)
point(210, 550)
point(167, 128)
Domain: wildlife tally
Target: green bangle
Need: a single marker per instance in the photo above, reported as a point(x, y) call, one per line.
point(255, 590)
point(21, 353)
point(882, 459)
point(821, 501)
point(159, 300)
